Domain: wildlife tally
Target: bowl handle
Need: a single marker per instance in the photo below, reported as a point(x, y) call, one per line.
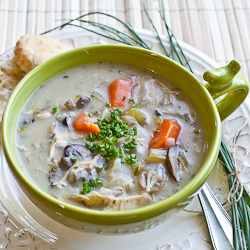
point(225, 80)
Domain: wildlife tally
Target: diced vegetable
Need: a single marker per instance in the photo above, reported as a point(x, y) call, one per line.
point(172, 162)
point(168, 129)
point(138, 115)
point(117, 90)
point(157, 155)
point(86, 124)
point(20, 130)
point(158, 120)
point(70, 104)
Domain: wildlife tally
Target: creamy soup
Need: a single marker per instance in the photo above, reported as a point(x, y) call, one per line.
point(109, 136)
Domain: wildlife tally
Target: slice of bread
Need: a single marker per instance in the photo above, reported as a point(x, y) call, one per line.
point(10, 75)
point(31, 51)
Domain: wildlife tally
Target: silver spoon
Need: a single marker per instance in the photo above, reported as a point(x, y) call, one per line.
point(218, 221)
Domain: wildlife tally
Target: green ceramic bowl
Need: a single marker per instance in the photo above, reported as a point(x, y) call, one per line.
point(137, 219)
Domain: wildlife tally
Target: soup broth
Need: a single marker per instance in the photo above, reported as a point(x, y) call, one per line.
point(110, 136)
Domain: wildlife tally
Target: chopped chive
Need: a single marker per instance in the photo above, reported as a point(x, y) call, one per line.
point(124, 97)
point(54, 110)
point(154, 142)
point(99, 169)
point(108, 104)
point(85, 123)
point(92, 95)
point(133, 106)
point(106, 168)
point(73, 159)
point(90, 115)
point(136, 171)
point(196, 130)
point(132, 100)
point(134, 181)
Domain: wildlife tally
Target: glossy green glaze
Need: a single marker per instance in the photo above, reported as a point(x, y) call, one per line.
point(164, 66)
point(225, 80)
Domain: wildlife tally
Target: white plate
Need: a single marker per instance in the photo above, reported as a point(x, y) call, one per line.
point(23, 226)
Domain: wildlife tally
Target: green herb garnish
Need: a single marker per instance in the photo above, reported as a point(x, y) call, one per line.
point(124, 97)
point(136, 171)
point(110, 131)
point(92, 95)
point(97, 181)
point(93, 183)
point(90, 115)
point(86, 188)
point(73, 159)
point(108, 104)
point(85, 123)
point(54, 110)
point(133, 106)
point(197, 131)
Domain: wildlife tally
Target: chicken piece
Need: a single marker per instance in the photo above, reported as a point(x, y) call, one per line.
point(32, 50)
point(151, 93)
point(120, 175)
point(130, 202)
point(97, 199)
point(153, 179)
point(75, 174)
point(77, 171)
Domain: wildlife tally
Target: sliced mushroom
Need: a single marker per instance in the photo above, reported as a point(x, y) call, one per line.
point(66, 121)
point(67, 161)
point(53, 171)
point(77, 168)
point(83, 101)
point(70, 104)
point(176, 161)
point(157, 112)
point(143, 179)
point(76, 151)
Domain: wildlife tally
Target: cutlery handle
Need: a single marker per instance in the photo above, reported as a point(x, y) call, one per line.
point(217, 219)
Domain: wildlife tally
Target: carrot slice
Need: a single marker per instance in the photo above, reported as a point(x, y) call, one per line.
point(120, 92)
point(168, 129)
point(85, 124)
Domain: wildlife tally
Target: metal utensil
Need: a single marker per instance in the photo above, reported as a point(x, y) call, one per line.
point(218, 221)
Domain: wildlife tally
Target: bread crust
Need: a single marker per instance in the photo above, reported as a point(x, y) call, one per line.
point(32, 50)
point(10, 75)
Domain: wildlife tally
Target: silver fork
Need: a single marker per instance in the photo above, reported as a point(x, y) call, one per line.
point(218, 221)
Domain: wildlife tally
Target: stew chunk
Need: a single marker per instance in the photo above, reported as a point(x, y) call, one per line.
point(120, 92)
point(86, 124)
point(168, 129)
